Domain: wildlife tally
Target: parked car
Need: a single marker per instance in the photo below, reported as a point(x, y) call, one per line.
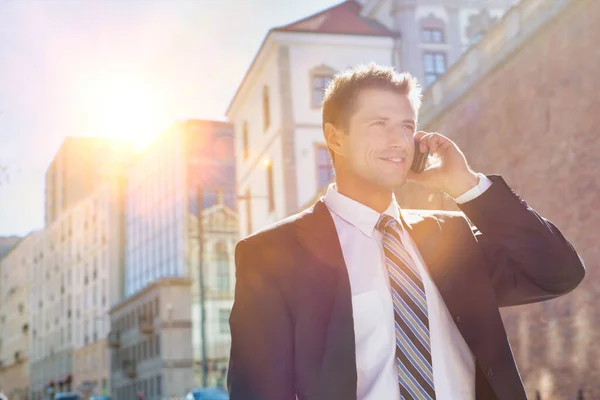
point(67, 396)
point(207, 394)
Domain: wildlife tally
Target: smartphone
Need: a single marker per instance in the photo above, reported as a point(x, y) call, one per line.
point(419, 159)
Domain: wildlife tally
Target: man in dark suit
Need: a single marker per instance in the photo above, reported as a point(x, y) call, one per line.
point(356, 299)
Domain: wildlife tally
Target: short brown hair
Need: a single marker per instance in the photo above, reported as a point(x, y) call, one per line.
point(342, 91)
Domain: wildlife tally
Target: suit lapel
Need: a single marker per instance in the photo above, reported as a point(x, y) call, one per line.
point(316, 232)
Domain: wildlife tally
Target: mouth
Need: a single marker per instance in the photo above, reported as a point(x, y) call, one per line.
point(395, 161)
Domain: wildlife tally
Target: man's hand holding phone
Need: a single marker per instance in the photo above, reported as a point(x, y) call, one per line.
point(446, 168)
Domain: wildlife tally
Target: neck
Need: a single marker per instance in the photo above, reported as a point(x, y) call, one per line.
point(364, 192)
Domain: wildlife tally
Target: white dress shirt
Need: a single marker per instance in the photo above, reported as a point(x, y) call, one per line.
point(453, 362)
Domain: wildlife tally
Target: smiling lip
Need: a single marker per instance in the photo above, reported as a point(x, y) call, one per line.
point(395, 161)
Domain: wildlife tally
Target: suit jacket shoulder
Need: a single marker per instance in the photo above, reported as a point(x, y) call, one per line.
point(272, 249)
point(449, 224)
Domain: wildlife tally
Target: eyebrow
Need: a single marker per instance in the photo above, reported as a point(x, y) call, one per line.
point(378, 117)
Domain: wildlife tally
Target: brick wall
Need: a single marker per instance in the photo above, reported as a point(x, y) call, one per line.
point(536, 121)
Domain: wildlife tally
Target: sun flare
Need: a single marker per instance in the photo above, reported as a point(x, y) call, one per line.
point(126, 109)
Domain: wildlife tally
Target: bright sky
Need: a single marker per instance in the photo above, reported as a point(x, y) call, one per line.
point(113, 67)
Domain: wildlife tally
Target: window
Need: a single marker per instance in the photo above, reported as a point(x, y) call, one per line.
point(222, 259)
point(224, 321)
point(245, 139)
point(319, 84)
point(324, 167)
point(266, 108)
point(248, 211)
point(159, 385)
point(435, 66)
point(270, 189)
point(432, 35)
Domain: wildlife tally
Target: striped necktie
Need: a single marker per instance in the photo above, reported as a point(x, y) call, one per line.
point(413, 350)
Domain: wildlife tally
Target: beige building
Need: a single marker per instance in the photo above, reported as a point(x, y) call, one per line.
point(220, 234)
point(14, 319)
point(79, 164)
point(91, 366)
point(76, 276)
point(151, 339)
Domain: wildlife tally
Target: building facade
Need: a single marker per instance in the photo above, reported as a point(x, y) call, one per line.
point(219, 236)
point(192, 158)
point(76, 169)
point(51, 311)
point(76, 276)
point(435, 33)
point(151, 341)
point(522, 103)
point(282, 160)
point(161, 191)
point(14, 319)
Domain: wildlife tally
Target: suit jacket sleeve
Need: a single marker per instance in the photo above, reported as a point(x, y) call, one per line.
point(261, 362)
point(529, 259)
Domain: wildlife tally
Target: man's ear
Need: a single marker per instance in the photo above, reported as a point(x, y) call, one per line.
point(334, 138)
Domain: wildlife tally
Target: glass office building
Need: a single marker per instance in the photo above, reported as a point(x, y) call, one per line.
point(161, 196)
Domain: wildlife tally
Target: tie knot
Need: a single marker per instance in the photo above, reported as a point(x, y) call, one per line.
point(386, 222)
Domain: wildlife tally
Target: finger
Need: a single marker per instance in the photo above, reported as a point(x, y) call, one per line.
point(423, 143)
point(438, 143)
point(432, 142)
point(443, 146)
point(418, 135)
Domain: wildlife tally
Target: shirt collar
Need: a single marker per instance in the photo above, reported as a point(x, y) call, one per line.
point(357, 214)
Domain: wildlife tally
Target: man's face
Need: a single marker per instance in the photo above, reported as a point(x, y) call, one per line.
point(378, 145)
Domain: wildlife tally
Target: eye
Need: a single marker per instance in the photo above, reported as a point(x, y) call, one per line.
point(408, 126)
point(378, 123)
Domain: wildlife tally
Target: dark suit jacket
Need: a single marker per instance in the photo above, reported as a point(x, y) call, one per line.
point(292, 326)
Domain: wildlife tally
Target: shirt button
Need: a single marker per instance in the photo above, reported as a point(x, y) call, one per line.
point(457, 319)
point(489, 373)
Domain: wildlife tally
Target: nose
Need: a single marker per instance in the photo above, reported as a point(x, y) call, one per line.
point(397, 137)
